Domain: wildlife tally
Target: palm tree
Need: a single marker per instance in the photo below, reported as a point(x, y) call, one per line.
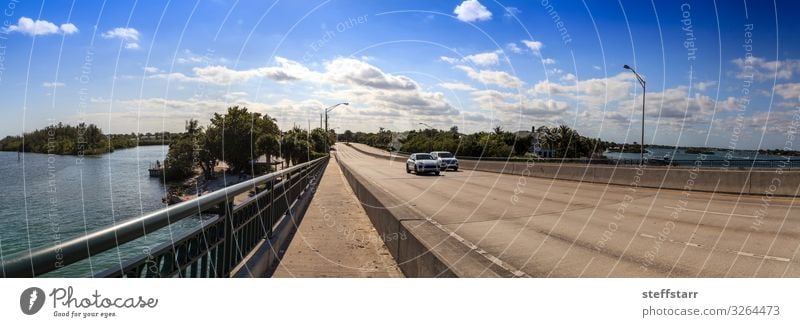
point(268, 145)
point(287, 147)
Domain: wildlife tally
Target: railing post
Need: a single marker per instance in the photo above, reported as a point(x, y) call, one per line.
point(271, 212)
point(225, 210)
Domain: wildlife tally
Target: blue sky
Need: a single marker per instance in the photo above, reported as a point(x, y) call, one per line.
point(150, 65)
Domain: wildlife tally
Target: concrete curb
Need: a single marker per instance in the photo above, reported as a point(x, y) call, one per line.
point(420, 248)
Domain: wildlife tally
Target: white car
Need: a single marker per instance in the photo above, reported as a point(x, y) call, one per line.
point(446, 160)
point(422, 163)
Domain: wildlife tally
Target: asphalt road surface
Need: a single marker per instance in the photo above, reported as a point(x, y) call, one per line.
point(556, 228)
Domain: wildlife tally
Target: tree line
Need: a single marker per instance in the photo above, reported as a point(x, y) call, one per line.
point(65, 139)
point(564, 141)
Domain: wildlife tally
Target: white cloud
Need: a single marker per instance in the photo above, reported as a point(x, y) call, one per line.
point(457, 86)
point(761, 69)
point(597, 67)
point(595, 91)
point(341, 71)
point(151, 70)
point(514, 48)
point(129, 35)
point(471, 11)
point(510, 103)
point(616, 99)
point(122, 33)
point(69, 28)
point(492, 77)
point(535, 46)
point(449, 60)
point(37, 27)
point(356, 72)
point(238, 96)
point(342, 78)
point(483, 59)
point(676, 103)
point(703, 86)
point(480, 59)
point(285, 70)
point(512, 12)
point(548, 61)
point(52, 84)
point(155, 113)
point(775, 122)
point(788, 90)
point(189, 57)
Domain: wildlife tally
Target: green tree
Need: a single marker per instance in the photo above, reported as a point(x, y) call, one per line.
point(179, 163)
point(320, 140)
point(296, 146)
point(187, 152)
point(268, 145)
point(232, 135)
point(348, 135)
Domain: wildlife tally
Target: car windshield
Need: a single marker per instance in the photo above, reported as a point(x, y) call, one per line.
point(424, 157)
point(444, 155)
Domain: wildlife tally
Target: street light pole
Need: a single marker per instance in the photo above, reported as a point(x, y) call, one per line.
point(327, 110)
point(644, 94)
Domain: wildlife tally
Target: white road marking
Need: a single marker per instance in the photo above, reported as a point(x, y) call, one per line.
point(741, 253)
point(711, 212)
point(514, 271)
point(769, 257)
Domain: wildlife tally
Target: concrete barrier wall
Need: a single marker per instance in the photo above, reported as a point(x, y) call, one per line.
point(420, 248)
point(755, 182)
point(765, 182)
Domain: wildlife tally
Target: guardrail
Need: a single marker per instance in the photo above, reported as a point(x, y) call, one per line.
point(213, 249)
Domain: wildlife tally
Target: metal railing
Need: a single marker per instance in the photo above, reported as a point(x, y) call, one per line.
point(213, 249)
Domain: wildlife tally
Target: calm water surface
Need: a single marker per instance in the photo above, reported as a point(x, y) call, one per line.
point(47, 199)
point(680, 154)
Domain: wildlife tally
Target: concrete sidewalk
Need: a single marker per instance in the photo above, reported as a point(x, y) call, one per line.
point(335, 237)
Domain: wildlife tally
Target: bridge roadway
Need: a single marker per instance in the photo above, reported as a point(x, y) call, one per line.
point(559, 228)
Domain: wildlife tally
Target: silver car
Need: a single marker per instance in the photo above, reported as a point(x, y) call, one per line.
point(446, 160)
point(422, 163)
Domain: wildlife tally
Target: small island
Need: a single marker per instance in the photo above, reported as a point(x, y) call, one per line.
point(82, 139)
point(699, 151)
point(779, 152)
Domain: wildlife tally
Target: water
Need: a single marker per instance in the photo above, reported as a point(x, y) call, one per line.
point(680, 154)
point(64, 196)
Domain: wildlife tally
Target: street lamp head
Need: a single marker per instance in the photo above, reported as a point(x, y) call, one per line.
point(346, 103)
point(626, 67)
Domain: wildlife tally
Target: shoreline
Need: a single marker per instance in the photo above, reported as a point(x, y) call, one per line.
point(86, 154)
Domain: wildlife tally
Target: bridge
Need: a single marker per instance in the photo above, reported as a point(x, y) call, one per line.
point(358, 213)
